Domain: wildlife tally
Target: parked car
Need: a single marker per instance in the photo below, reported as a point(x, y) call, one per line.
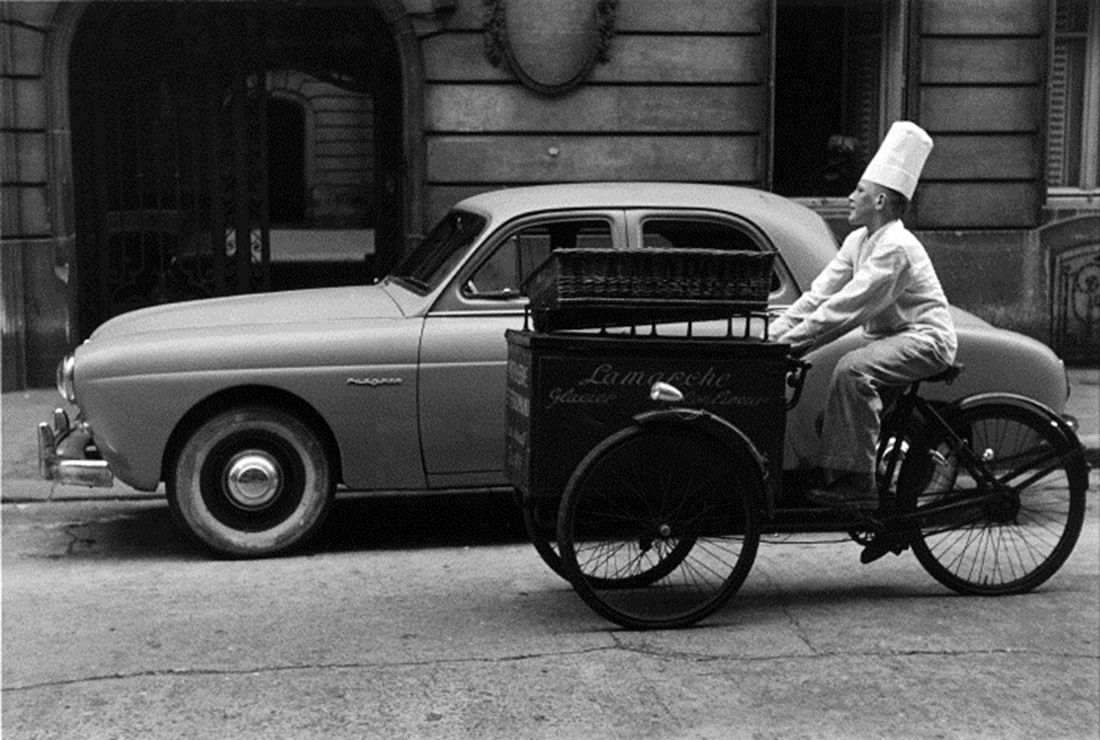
point(254, 410)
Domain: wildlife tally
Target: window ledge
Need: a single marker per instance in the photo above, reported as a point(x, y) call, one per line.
point(1073, 198)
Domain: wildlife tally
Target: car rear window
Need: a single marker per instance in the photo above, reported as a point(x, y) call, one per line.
point(676, 233)
point(700, 233)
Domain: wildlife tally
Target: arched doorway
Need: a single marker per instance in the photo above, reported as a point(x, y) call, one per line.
point(201, 127)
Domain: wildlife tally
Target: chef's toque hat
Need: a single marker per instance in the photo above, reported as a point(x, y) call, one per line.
point(898, 162)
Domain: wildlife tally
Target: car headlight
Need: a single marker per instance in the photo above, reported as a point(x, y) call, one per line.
point(65, 374)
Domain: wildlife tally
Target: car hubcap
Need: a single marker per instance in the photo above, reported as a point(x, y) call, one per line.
point(253, 480)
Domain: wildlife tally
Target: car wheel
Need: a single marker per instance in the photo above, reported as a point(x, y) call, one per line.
point(250, 482)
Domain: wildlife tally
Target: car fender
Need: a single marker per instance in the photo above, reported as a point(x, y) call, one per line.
point(360, 379)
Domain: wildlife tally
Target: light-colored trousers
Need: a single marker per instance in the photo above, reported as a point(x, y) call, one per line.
point(853, 410)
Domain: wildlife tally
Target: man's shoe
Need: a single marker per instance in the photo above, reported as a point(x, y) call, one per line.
point(881, 545)
point(849, 490)
point(873, 552)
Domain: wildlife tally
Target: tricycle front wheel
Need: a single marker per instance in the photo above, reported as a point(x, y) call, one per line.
point(540, 516)
point(659, 527)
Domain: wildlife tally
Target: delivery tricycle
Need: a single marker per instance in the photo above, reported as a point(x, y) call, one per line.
point(647, 447)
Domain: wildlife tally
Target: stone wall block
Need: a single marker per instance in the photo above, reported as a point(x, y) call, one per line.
point(24, 158)
point(9, 211)
point(12, 318)
point(22, 104)
point(996, 275)
point(35, 14)
point(25, 211)
point(26, 55)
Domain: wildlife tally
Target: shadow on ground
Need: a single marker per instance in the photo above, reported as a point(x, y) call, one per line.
point(145, 529)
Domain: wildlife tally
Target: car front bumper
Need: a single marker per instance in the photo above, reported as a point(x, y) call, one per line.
point(66, 454)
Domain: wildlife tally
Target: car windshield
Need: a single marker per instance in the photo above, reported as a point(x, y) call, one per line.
point(433, 258)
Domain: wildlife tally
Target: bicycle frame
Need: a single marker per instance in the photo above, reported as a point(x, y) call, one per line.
point(989, 489)
point(910, 417)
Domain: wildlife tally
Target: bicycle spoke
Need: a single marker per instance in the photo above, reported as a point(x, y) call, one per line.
point(645, 528)
point(1020, 524)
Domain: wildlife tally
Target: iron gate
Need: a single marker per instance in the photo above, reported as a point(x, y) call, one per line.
point(173, 137)
point(1075, 330)
point(170, 105)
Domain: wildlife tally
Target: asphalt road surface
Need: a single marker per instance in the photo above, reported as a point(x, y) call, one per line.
point(432, 617)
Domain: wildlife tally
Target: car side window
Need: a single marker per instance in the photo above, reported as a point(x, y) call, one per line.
point(503, 273)
point(699, 233)
point(676, 233)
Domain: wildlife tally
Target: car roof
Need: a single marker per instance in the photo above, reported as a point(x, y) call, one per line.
point(786, 222)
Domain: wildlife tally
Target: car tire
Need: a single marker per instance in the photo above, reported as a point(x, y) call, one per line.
point(251, 482)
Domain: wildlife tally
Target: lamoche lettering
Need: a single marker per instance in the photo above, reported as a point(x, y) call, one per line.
point(607, 375)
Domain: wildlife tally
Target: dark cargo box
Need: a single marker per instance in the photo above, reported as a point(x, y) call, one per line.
point(567, 391)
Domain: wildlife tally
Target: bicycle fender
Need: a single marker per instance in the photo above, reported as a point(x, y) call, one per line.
point(1031, 404)
point(1043, 410)
point(724, 432)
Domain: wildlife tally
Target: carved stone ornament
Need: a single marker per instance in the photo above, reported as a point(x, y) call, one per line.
point(550, 45)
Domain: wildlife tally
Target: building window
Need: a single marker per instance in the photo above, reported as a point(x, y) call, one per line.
point(838, 83)
point(1073, 138)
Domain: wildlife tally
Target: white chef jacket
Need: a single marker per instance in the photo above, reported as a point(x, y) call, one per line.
point(882, 281)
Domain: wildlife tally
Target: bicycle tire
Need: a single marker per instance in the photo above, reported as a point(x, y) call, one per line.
point(541, 526)
point(659, 526)
point(1015, 544)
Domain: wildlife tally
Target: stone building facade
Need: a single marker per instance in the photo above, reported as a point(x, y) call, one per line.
point(145, 143)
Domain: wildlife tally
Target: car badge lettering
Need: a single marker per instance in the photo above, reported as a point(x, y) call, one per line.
point(374, 382)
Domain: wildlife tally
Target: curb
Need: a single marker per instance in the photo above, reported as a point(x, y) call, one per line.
point(37, 491)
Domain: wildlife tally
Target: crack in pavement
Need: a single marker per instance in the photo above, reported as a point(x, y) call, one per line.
point(76, 541)
point(618, 646)
point(785, 609)
point(257, 670)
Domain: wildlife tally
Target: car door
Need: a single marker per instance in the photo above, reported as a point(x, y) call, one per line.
point(463, 353)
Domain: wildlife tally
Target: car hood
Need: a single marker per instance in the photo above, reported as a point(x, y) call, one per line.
point(266, 309)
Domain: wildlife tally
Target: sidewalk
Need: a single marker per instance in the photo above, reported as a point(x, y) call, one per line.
point(21, 411)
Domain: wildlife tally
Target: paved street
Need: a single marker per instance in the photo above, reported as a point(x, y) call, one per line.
point(433, 618)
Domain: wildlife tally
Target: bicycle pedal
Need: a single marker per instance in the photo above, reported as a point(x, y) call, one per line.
point(871, 553)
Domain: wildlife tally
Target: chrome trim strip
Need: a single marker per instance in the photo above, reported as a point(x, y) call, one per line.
point(374, 382)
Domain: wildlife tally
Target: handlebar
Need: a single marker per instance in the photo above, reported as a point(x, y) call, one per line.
point(796, 376)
